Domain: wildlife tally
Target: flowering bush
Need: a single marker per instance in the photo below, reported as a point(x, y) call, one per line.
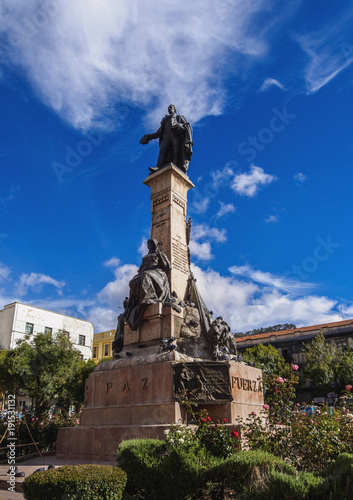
point(44, 431)
point(308, 441)
point(216, 438)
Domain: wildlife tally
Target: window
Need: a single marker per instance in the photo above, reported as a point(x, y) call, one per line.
point(81, 340)
point(29, 327)
point(95, 351)
point(342, 345)
point(67, 333)
point(81, 357)
point(47, 329)
point(106, 350)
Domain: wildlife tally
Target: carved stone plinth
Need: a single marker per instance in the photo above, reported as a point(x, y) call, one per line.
point(159, 321)
point(140, 398)
point(169, 187)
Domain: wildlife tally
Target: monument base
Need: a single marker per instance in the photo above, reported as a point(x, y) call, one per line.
point(141, 397)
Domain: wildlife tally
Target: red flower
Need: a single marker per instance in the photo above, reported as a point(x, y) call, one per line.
point(235, 434)
point(225, 420)
point(209, 419)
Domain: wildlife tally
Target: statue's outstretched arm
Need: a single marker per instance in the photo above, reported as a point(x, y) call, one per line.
point(148, 137)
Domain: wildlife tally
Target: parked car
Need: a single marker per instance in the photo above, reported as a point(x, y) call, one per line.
point(309, 410)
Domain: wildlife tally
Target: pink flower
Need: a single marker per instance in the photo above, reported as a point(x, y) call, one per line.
point(265, 407)
point(298, 404)
point(295, 367)
point(342, 397)
point(253, 413)
point(279, 380)
point(311, 421)
point(348, 387)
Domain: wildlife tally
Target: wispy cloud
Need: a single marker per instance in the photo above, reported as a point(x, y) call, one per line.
point(269, 82)
point(201, 251)
point(36, 281)
point(203, 231)
point(249, 184)
point(202, 236)
point(225, 209)
point(326, 49)
point(83, 56)
point(299, 177)
point(247, 298)
point(200, 206)
point(4, 272)
point(265, 278)
point(222, 176)
point(272, 218)
point(261, 299)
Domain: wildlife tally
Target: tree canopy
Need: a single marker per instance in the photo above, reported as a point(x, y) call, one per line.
point(44, 367)
point(326, 365)
point(267, 329)
point(268, 359)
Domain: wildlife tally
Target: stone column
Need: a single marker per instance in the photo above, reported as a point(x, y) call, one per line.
point(169, 187)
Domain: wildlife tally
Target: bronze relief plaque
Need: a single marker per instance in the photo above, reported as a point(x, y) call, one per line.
point(204, 382)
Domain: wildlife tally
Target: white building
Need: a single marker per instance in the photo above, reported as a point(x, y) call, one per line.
point(18, 319)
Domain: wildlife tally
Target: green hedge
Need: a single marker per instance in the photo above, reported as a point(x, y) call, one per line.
point(91, 482)
point(157, 472)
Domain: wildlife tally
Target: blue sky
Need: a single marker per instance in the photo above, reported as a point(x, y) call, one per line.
point(268, 91)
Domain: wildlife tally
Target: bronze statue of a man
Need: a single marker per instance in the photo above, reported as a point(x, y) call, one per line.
point(175, 141)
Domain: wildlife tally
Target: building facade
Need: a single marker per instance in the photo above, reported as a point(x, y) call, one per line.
point(102, 345)
point(17, 320)
point(290, 344)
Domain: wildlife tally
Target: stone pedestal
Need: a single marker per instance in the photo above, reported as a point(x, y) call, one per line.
point(169, 187)
point(141, 394)
point(159, 321)
point(136, 398)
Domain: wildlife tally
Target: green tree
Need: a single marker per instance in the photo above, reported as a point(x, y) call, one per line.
point(327, 365)
point(73, 392)
point(274, 328)
point(41, 367)
point(268, 359)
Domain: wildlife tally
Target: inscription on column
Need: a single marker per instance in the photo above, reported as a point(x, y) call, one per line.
point(160, 218)
point(180, 256)
point(178, 201)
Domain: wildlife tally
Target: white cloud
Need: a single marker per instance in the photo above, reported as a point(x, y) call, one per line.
point(142, 250)
point(225, 209)
point(200, 251)
point(264, 278)
point(113, 262)
point(4, 272)
point(299, 177)
point(246, 305)
point(272, 218)
point(249, 184)
point(35, 281)
point(200, 205)
point(84, 56)
point(269, 82)
point(329, 50)
point(203, 231)
point(222, 176)
point(114, 292)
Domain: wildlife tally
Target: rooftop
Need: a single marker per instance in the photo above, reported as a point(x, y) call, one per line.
point(323, 326)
